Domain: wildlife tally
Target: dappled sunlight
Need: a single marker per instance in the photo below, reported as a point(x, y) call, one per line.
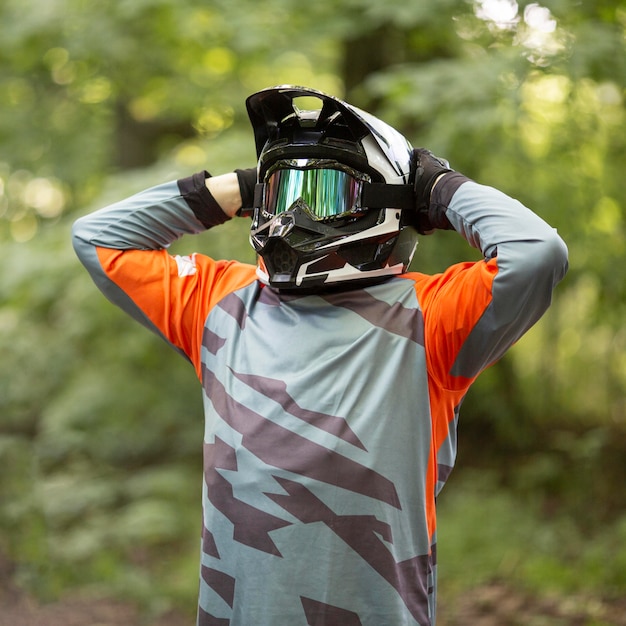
point(607, 218)
point(502, 14)
point(535, 29)
point(212, 121)
point(26, 199)
point(45, 195)
point(219, 61)
point(544, 102)
point(539, 18)
point(95, 90)
point(190, 155)
point(291, 67)
point(62, 68)
point(540, 35)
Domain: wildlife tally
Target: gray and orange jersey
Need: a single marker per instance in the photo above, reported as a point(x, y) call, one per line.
point(330, 418)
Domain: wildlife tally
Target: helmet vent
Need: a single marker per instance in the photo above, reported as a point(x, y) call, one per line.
point(282, 258)
point(307, 103)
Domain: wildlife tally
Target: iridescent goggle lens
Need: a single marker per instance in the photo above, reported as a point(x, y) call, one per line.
point(326, 192)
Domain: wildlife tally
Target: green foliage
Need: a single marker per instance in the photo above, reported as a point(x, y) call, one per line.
point(100, 424)
point(93, 479)
point(486, 534)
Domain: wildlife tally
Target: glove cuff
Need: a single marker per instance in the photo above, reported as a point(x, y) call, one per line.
point(247, 182)
point(447, 187)
point(200, 200)
point(441, 197)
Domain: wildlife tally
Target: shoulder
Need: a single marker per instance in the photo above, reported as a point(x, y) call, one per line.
point(458, 282)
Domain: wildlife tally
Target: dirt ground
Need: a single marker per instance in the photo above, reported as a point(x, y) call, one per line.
point(496, 604)
point(489, 605)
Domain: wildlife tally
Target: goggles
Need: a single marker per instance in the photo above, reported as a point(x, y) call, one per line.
point(328, 189)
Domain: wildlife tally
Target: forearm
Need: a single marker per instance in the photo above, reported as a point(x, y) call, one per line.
point(226, 192)
point(123, 247)
point(497, 224)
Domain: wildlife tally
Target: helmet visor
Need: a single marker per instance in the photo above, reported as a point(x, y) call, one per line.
point(326, 192)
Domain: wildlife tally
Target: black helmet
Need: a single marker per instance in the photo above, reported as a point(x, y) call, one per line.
point(333, 182)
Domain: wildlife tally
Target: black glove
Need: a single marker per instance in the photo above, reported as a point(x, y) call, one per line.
point(426, 168)
point(247, 182)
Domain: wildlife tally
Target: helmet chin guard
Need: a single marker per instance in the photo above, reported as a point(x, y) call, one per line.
point(333, 183)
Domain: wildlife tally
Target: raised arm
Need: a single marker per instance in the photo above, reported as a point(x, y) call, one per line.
point(124, 248)
point(156, 217)
point(488, 306)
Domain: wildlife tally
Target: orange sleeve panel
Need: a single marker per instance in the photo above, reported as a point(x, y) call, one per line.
point(451, 303)
point(175, 304)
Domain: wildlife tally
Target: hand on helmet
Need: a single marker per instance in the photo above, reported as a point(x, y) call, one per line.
point(427, 168)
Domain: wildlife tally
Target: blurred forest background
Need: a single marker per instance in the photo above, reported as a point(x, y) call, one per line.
point(101, 425)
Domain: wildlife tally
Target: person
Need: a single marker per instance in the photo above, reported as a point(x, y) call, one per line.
point(331, 376)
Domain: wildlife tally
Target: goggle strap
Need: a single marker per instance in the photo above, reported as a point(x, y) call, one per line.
point(258, 194)
point(374, 196)
point(384, 196)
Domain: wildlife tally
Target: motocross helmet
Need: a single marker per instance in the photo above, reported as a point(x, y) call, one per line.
point(333, 183)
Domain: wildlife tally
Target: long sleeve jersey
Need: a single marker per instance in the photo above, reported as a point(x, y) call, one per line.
point(330, 418)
